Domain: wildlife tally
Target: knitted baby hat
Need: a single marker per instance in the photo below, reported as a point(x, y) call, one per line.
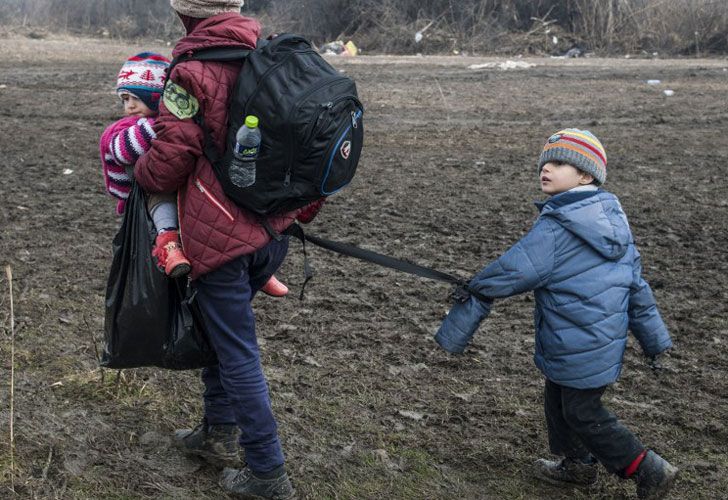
point(205, 8)
point(579, 148)
point(143, 76)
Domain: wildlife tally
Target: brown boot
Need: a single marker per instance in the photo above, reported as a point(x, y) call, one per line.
point(566, 471)
point(244, 483)
point(216, 444)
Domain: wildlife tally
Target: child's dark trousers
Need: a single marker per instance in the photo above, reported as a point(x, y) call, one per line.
point(579, 425)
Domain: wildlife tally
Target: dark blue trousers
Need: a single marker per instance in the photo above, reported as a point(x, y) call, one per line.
point(579, 425)
point(236, 390)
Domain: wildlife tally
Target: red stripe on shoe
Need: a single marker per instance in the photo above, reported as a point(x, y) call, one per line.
point(632, 468)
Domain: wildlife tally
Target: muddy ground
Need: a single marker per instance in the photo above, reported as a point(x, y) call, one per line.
point(368, 406)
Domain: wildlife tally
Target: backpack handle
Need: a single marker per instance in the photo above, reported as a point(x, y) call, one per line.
point(218, 54)
point(286, 37)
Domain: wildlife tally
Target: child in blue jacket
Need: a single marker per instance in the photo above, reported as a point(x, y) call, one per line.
point(581, 262)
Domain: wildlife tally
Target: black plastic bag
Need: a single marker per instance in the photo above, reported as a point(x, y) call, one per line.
point(151, 320)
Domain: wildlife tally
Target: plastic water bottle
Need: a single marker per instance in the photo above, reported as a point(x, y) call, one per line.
point(247, 146)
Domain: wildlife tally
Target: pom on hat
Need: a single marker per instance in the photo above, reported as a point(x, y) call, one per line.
point(143, 76)
point(579, 148)
point(205, 8)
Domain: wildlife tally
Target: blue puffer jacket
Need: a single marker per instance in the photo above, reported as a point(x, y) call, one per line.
point(581, 261)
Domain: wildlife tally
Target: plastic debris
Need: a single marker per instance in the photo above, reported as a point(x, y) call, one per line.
point(574, 52)
point(414, 415)
point(503, 65)
point(351, 49)
point(668, 92)
point(420, 34)
point(339, 48)
point(332, 48)
point(67, 171)
point(653, 82)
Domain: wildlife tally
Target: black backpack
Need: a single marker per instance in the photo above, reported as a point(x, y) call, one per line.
point(310, 119)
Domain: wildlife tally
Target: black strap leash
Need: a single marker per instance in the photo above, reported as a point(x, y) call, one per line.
point(462, 290)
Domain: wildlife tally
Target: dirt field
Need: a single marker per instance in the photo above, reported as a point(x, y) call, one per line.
point(368, 406)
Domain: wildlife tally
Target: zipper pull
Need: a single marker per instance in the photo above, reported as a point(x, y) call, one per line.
point(353, 120)
point(287, 180)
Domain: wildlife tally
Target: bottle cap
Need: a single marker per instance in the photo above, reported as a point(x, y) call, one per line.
point(251, 121)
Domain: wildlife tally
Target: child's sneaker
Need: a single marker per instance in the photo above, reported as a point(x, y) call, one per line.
point(169, 254)
point(567, 471)
point(274, 288)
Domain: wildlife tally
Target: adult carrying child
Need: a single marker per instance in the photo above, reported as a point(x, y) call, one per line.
point(231, 253)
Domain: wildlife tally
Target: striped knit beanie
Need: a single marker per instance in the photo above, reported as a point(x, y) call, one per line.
point(578, 148)
point(143, 76)
point(205, 8)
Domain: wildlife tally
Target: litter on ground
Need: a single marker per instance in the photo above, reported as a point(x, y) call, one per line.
point(503, 65)
point(339, 48)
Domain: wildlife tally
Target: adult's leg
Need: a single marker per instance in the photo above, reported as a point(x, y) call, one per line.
point(263, 264)
point(602, 433)
point(218, 409)
point(224, 297)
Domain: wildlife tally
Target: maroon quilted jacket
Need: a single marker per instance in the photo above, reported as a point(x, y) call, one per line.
point(214, 230)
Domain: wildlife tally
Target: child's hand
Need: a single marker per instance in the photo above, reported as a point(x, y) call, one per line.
point(657, 362)
point(460, 294)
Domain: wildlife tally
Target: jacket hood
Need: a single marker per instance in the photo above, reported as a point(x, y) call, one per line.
point(596, 217)
point(228, 29)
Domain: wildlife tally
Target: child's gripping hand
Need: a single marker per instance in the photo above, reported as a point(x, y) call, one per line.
point(658, 362)
point(460, 294)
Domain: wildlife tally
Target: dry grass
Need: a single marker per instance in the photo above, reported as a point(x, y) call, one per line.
point(690, 27)
point(11, 424)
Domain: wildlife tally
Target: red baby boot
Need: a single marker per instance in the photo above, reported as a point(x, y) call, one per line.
point(169, 254)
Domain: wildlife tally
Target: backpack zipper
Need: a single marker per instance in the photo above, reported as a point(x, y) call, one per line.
point(270, 70)
point(354, 124)
point(213, 200)
point(326, 81)
point(327, 107)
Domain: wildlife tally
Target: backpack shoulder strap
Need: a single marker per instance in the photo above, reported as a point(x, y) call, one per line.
point(217, 54)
